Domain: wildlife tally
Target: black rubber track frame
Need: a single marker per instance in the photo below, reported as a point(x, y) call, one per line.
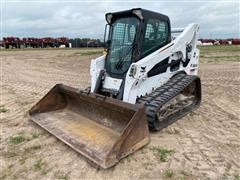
point(160, 96)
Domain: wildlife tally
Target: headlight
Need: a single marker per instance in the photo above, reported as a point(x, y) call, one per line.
point(133, 71)
point(109, 17)
point(138, 12)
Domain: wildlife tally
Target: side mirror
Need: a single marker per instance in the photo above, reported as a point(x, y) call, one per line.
point(106, 42)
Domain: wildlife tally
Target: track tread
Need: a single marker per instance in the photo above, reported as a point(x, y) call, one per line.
point(161, 95)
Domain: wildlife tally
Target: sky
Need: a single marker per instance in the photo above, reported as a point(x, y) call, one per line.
point(86, 19)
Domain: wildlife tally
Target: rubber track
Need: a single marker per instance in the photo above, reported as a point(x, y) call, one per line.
point(155, 100)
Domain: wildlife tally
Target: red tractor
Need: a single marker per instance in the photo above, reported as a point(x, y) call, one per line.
point(62, 41)
point(12, 42)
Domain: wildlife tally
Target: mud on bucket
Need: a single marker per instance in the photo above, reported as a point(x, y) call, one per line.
point(102, 129)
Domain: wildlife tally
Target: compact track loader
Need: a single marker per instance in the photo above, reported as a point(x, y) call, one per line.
point(146, 80)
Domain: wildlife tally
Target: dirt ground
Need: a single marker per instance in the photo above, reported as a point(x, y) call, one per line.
point(202, 145)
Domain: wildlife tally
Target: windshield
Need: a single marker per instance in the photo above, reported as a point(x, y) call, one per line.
point(122, 35)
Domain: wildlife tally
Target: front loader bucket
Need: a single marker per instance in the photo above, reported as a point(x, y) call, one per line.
point(102, 129)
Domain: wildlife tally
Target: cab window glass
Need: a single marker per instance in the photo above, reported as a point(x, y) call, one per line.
point(156, 36)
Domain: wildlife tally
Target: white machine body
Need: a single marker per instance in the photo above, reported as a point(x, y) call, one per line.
point(137, 82)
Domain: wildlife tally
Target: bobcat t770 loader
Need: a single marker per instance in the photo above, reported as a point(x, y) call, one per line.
point(147, 79)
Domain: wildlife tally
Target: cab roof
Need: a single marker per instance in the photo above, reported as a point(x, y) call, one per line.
point(142, 14)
